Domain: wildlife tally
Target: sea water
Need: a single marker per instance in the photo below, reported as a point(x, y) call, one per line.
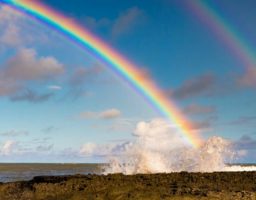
point(10, 172)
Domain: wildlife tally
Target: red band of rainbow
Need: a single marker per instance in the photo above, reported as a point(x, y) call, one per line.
point(121, 66)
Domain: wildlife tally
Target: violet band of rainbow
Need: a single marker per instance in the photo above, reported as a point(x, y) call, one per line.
point(145, 86)
point(224, 31)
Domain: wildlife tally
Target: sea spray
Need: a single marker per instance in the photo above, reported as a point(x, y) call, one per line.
point(159, 148)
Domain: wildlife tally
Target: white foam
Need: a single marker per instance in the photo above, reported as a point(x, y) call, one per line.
point(239, 168)
point(159, 148)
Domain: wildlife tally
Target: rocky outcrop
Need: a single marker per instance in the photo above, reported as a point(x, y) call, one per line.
point(189, 186)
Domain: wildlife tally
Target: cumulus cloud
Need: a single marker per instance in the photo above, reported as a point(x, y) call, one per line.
point(88, 149)
point(25, 65)
point(106, 114)
point(98, 150)
point(199, 109)
point(23, 68)
point(148, 133)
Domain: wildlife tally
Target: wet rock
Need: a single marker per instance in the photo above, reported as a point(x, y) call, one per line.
point(192, 186)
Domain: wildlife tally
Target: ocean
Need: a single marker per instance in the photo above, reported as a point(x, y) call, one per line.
point(10, 172)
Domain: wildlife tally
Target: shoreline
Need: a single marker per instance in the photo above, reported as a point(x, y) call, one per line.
point(183, 185)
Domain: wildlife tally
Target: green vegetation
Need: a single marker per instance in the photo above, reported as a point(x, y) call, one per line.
point(176, 186)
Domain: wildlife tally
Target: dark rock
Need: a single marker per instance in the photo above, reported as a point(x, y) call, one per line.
point(184, 185)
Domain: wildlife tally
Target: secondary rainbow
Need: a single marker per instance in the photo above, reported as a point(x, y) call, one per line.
point(225, 32)
point(121, 66)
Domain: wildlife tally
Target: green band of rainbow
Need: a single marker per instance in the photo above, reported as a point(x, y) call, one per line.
point(145, 86)
point(225, 32)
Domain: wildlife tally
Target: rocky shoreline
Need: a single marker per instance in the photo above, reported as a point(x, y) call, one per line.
point(189, 186)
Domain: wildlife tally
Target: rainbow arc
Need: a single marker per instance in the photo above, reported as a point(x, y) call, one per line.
point(146, 87)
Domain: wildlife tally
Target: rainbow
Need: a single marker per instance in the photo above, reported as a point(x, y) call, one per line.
point(121, 66)
point(225, 32)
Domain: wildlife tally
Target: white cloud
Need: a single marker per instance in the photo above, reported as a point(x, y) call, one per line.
point(97, 150)
point(158, 131)
point(110, 114)
point(36, 147)
point(88, 149)
point(106, 114)
point(27, 66)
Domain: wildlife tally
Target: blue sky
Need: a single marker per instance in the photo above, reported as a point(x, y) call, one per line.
point(56, 98)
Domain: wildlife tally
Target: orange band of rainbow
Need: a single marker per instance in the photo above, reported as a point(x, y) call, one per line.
point(145, 86)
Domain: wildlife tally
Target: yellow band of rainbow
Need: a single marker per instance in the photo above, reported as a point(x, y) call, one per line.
point(145, 86)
